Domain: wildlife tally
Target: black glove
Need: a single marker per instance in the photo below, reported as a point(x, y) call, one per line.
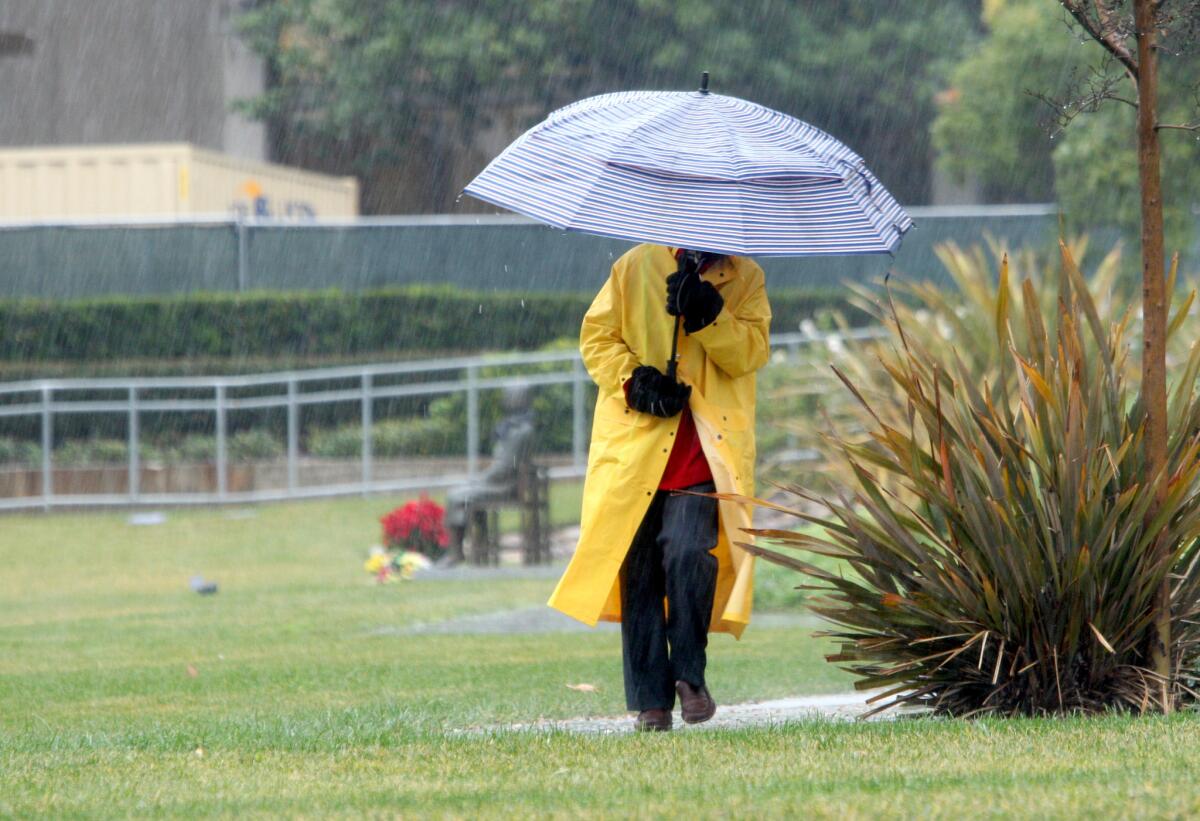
point(687, 294)
point(651, 391)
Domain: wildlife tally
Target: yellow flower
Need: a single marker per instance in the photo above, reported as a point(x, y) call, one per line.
point(377, 562)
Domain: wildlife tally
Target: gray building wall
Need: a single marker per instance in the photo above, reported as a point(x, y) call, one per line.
point(80, 72)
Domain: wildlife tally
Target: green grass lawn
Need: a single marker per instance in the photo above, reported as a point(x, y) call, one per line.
point(295, 691)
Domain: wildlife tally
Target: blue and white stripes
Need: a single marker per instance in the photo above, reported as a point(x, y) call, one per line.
point(693, 170)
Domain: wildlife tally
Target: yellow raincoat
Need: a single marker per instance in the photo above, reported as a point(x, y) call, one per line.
point(627, 326)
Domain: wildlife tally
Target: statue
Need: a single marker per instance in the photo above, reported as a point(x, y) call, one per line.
point(512, 442)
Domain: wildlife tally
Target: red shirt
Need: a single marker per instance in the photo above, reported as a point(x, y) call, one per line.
point(686, 466)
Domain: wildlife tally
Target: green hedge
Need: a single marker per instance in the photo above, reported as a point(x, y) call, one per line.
point(390, 438)
point(314, 325)
point(215, 333)
point(246, 446)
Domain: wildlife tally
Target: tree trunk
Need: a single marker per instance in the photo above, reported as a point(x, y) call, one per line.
point(1154, 318)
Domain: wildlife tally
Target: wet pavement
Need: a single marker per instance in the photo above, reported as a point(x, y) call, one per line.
point(773, 713)
point(541, 619)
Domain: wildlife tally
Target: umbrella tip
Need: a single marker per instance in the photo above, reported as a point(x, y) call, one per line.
point(704, 82)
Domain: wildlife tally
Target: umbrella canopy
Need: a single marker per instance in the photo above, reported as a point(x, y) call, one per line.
point(695, 170)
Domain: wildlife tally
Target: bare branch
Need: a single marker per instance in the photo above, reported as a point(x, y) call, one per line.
point(1105, 28)
point(1180, 127)
point(1083, 95)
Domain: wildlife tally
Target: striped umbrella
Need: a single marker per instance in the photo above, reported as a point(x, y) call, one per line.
point(695, 170)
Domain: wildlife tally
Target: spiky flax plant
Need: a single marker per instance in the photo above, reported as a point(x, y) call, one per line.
point(999, 527)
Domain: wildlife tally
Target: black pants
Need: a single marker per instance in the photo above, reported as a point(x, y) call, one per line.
point(670, 559)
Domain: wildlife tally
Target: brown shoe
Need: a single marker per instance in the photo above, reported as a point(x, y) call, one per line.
point(653, 721)
point(696, 704)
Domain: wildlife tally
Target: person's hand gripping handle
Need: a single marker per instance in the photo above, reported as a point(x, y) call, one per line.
point(690, 300)
point(678, 284)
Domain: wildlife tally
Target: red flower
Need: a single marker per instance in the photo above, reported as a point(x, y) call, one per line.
point(418, 525)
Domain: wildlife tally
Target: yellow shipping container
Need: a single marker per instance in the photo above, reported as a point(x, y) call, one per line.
point(162, 179)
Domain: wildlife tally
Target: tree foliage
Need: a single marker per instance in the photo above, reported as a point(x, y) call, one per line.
point(995, 123)
point(365, 83)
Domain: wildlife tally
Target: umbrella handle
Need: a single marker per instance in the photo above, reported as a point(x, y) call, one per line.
point(672, 364)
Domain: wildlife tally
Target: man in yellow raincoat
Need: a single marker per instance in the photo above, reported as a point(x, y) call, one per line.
point(640, 544)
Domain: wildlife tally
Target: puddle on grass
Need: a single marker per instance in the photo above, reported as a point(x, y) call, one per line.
point(772, 713)
point(147, 518)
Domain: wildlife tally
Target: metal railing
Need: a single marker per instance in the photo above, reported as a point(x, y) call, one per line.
point(50, 399)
